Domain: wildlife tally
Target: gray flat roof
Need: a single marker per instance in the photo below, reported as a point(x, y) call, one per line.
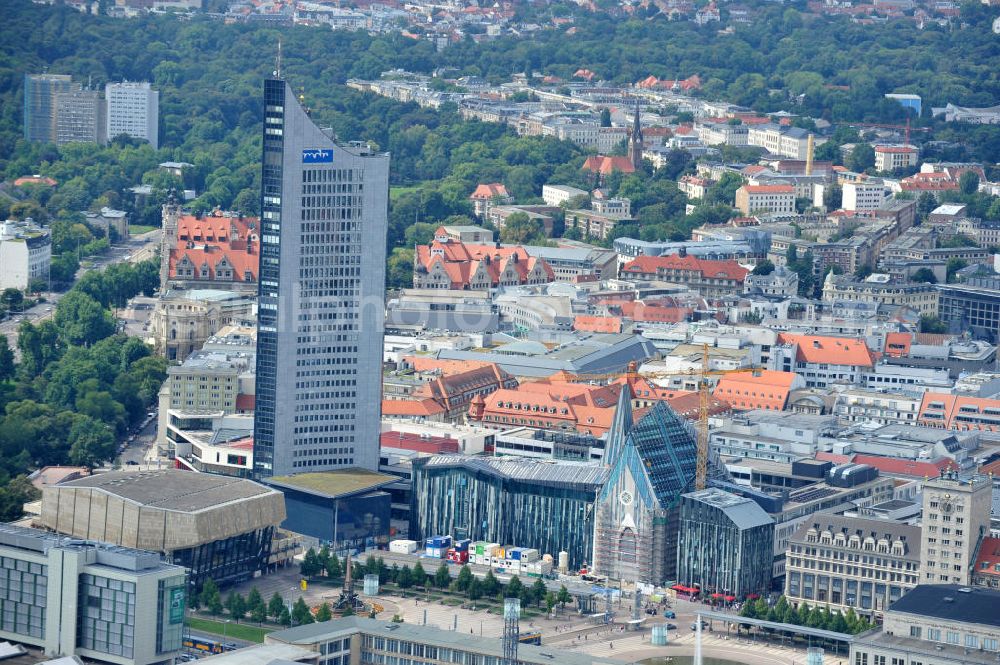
point(172, 489)
point(339, 628)
point(952, 603)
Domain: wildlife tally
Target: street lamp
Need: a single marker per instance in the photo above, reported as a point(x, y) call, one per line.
point(225, 630)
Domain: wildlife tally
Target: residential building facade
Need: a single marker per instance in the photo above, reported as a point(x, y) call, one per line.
point(753, 199)
point(133, 109)
point(25, 254)
point(707, 277)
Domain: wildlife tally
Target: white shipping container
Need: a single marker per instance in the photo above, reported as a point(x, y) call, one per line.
point(529, 555)
point(403, 546)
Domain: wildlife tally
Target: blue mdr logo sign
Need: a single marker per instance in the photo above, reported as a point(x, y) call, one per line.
point(318, 156)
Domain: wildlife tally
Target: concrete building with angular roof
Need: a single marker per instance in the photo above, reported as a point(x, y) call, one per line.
point(220, 527)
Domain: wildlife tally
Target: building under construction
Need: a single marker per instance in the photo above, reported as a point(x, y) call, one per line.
point(652, 463)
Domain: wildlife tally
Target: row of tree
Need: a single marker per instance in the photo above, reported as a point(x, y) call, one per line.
point(813, 617)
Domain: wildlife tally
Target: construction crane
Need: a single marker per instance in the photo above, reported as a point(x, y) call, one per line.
point(905, 127)
point(704, 402)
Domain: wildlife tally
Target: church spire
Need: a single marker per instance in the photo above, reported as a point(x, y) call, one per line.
point(635, 140)
point(620, 426)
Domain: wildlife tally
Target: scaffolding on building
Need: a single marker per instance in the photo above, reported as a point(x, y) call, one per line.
point(511, 630)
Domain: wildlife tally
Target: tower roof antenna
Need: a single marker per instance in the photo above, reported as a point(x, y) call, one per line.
point(277, 64)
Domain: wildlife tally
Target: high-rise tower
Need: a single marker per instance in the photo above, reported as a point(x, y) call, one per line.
point(322, 286)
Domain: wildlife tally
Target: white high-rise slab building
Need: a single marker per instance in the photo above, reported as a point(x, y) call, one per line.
point(133, 110)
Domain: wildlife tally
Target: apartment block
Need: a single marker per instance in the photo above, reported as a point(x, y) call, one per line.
point(752, 199)
point(133, 109)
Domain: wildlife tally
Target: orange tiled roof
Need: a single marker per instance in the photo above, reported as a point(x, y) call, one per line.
point(411, 408)
point(769, 189)
point(555, 403)
point(897, 344)
point(959, 412)
point(446, 367)
point(652, 265)
point(597, 324)
point(764, 390)
point(489, 191)
point(830, 350)
point(654, 313)
point(605, 165)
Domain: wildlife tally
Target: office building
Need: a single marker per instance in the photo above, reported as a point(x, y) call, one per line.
point(956, 518)
point(321, 298)
point(40, 92)
point(543, 505)
point(218, 527)
point(133, 109)
point(79, 116)
point(652, 463)
point(355, 640)
point(843, 562)
point(863, 196)
point(725, 544)
point(25, 254)
point(100, 602)
point(973, 309)
point(934, 624)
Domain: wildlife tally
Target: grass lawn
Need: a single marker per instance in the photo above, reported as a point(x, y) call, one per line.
point(398, 190)
point(139, 229)
point(240, 631)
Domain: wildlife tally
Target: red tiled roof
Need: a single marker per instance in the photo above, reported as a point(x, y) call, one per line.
point(830, 350)
point(214, 241)
point(895, 466)
point(446, 367)
point(463, 262)
point(988, 559)
point(605, 165)
point(435, 445)
point(895, 150)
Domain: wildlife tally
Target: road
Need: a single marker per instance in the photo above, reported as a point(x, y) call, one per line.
point(136, 249)
point(136, 449)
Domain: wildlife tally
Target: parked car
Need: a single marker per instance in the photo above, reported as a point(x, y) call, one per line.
point(669, 614)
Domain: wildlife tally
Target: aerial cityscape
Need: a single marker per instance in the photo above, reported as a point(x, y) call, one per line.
point(583, 332)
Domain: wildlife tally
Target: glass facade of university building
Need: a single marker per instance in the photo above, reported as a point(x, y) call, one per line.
point(544, 505)
point(725, 544)
point(23, 591)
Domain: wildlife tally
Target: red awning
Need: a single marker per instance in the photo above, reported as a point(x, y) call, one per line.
point(730, 598)
point(753, 596)
point(684, 589)
point(717, 595)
